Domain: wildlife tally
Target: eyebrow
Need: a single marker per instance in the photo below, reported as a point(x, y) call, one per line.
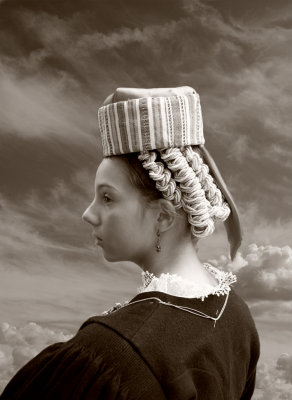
point(106, 185)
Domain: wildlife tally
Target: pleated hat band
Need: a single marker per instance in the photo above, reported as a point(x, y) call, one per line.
point(150, 122)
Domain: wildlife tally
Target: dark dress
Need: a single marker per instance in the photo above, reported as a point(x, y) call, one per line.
point(147, 351)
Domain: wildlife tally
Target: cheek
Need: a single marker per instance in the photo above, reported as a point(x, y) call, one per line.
point(114, 226)
point(125, 232)
point(120, 227)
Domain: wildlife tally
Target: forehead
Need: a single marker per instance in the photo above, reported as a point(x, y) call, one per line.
point(112, 171)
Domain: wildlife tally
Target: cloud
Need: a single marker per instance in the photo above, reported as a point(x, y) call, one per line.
point(274, 380)
point(45, 106)
point(247, 63)
point(264, 272)
point(18, 345)
point(278, 311)
point(124, 36)
point(264, 278)
point(239, 148)
point(284, 365)
point(47, 223)
point(260, 223)
point(58, 33)
point(257, 227)
point(274, 324)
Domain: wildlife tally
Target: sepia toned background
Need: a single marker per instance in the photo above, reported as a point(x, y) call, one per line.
point(58, 61)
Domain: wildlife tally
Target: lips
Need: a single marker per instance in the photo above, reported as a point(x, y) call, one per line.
point(98, 241)
point(96, 237)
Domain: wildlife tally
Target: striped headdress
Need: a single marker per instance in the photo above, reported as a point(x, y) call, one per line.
point(151, 121)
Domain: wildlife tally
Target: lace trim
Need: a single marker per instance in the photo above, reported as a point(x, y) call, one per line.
point(175, 285)
point(115, 307)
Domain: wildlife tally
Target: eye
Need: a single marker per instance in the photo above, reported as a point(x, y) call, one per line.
point(106, 198)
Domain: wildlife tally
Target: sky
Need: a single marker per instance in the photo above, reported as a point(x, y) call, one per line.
point(58, 61)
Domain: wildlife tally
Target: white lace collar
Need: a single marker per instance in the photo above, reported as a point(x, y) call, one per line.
point(175, 285)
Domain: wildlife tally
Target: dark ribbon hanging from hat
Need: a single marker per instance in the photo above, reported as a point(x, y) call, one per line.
point(232, 224)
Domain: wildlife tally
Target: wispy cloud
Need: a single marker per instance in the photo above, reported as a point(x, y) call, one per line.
point(274, 379)
point(264, 276)
point(45, 106)
point(263, 226)
point(264, 272)
point(19, 345)
point(284, 366)
point(147, 35)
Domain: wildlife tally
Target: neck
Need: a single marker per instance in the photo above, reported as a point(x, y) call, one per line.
point(182, 260)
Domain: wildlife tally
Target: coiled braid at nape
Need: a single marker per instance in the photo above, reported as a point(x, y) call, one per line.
point(183, 178)
point(193, 200)
point(162, 177)
point(220, 208)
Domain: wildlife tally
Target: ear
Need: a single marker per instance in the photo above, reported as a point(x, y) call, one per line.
point(166, 214)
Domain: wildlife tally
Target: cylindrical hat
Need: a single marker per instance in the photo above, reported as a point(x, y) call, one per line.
point(137, 120)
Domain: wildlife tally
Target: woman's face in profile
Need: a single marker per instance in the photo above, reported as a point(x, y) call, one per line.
point(123, 225)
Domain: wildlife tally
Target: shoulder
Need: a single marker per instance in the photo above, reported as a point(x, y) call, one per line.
point(244, 322)
point(96, 363)
point(123, 323)
point(59, 371)
point(240, 313)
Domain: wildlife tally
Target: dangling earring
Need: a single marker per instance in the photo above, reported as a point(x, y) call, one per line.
point(158, 244)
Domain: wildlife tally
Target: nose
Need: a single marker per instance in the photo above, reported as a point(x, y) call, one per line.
point(90, 215)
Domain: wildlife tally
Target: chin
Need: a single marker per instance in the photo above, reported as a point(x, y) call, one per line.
point(115, 257)
point(111, 257)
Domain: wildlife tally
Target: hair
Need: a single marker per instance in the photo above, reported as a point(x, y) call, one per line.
point(180, 176)
point(139, 177)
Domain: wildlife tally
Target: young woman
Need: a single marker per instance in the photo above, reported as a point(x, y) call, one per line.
point(187, 334)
